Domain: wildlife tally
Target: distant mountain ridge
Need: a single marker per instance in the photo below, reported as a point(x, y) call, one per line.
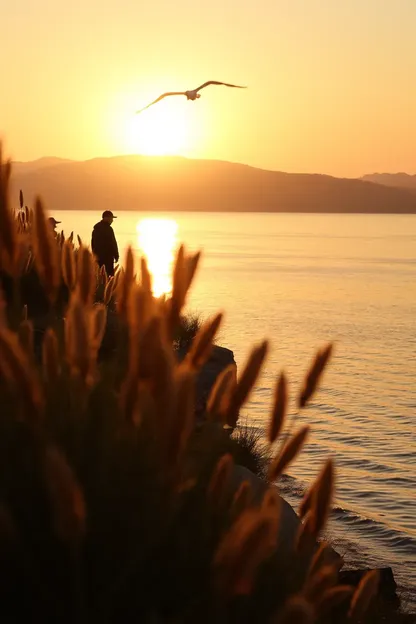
point(40, 163)
point(397, 180)
point(158, 183)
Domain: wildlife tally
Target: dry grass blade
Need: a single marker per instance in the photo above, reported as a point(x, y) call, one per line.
point(318, 559)
point(242, 500)
point(68, 505)
point(323, 492)
point(86, 282)
point(146, 278)
point(68, 265)
point(22, 254)
point(79, 239)
point(305, 538)
point(279, 408)
point(173, 394)
point(249, 542)
point(15, 368)
point(99, 324)
point(129, 265)
point(109, 290)
point(183, 415)
point(140, 309)
point(26, 337)
point(50, 356)
point(117, 277)
point(125, 283)
point(152, 363)
point(271, 501)
point(30, 262)
point(20, 222)
point(179, 281)
point(220, 395)
point(364, 594)
point(220, 479)
point(192, 265)
point(288, 453)
point(148, 354)
point(77, 340)
point(103, 275)
point(179, 288)
point(323, 580)
point(333, 598)
point(202, 344)
point(296, 611)
point(21, 200)
point(246, 382)
point(46, 252)
point(307, 501)
point(314, 374)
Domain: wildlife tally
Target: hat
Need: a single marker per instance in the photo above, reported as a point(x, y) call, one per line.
point(108, 213)
point(54, 221)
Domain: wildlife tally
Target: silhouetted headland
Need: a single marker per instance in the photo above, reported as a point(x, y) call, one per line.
point(176, 183)
point(396, 180)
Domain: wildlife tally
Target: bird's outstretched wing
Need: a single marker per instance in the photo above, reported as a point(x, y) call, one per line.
point(160, 98)
point(215, 82)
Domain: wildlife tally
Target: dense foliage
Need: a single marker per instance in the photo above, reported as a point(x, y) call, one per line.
point(115, 505)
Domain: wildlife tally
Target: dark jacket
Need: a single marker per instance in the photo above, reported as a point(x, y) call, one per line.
point(103, 242)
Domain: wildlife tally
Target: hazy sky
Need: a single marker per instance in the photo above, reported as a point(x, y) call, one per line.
point(332, 83)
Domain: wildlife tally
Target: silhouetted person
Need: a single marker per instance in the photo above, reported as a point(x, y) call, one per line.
point(104, 244)
point(53, 223)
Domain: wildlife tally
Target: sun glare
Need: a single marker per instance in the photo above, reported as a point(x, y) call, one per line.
point(162, 129)
point(157, 240)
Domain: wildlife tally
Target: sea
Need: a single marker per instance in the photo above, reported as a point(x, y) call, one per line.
point(303, 280)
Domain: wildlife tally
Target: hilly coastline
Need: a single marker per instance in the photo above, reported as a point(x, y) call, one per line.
point(397, 180)
point(175, 183)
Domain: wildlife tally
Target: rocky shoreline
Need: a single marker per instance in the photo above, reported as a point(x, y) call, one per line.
point(387, 605)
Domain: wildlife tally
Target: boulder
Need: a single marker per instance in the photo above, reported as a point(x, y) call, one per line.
point(289, 520)
point(218, 361)
point(386, 608)
point(387, 587)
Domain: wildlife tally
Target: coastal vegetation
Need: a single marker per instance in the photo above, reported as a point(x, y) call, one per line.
point(116, 505)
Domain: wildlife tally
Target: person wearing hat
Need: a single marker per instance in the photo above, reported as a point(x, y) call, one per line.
point(103, 242)
point(53, 223)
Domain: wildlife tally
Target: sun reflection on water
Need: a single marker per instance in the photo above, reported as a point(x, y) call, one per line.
point(157, 241)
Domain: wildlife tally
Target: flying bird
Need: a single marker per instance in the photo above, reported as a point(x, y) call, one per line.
point(190, 95)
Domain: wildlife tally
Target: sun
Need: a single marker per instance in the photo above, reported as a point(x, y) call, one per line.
point(160, 130)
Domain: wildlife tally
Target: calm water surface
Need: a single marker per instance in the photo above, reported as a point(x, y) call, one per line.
point(304, 280)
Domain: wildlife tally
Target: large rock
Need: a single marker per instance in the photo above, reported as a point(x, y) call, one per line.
point(387, 586)
point(386, 607)
point(219, 360)
point(289, 521)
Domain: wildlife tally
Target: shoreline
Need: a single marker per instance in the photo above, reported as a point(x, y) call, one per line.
point(357, 559)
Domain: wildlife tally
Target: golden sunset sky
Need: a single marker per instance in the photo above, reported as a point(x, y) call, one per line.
point(331, 83)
